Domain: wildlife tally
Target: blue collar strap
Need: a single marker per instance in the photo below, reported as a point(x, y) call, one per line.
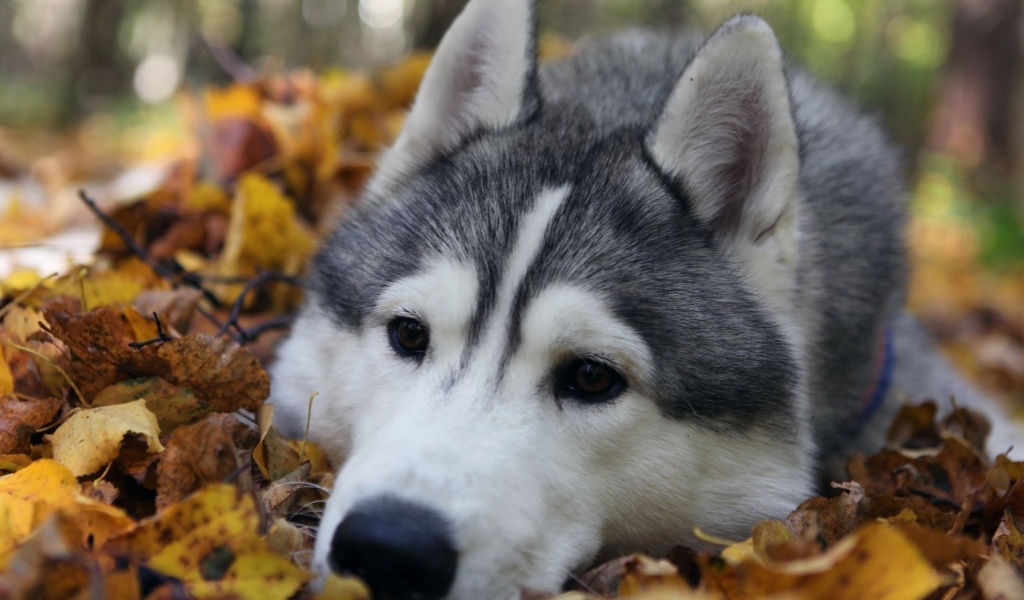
point(876, 393)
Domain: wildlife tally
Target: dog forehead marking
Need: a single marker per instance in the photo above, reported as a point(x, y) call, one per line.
point(529, 241)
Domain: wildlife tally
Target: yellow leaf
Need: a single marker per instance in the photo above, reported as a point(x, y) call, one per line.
point(207, 196)
point(29, 496)
point(234, 101)
point(45, 484)
point(337, 587)
point(253, 576)
point(101, 288)
point(875, 562)
point(273, 455)
point(143, 328)
point(264, 232)
point(19, 280)
point(92, 437)
point(211, 542)
point(20, 322)
point(6, 378)
point(9, 534)
point(182, 518)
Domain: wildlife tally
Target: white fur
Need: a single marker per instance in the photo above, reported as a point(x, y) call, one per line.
point(474, 81)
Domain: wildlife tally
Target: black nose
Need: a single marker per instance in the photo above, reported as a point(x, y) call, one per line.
point(403, 551)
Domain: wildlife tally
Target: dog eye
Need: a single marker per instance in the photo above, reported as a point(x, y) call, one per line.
point(589, 381)
point(409, 337)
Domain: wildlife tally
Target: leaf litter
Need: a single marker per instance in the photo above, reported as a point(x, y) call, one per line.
point(138, 457)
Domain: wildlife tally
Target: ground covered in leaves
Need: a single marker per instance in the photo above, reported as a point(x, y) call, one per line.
point(137, 455)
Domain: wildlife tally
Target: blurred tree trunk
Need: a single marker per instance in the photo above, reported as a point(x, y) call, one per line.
point(434, 21)
point(98, 69)
point(974, 121)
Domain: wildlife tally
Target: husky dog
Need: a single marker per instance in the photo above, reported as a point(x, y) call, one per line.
point(585, 307)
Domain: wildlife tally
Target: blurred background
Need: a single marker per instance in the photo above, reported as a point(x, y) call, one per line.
point(92, 89)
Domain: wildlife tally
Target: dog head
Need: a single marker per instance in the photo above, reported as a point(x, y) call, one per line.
point(545, 332)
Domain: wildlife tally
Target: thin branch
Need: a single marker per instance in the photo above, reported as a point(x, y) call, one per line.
point(126, 237)
point(175, 279)
point(259, 281)
point(160, 335)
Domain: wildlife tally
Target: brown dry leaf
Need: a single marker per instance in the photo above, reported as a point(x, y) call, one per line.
point(216, 370)
point(286, 539)
point(1008, 540)
point(98, 341)
point(914, 427)
point(877, 562)
point(20, 419)
point(100, 490)
point(284, 495)
point(196, 455)
point(91, 438)
point(273, 455)
point(174, 307)
point(942, 549)
point(827, 519)
point(644, 575)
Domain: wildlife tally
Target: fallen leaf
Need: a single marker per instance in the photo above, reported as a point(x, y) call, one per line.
point(91, 438)
point(172, 404)
point(876, 561)
point(273, 455)
point(20, 419)
point(211, 542)
point(6, 378)
point(827, 519)
point(337, 587)
point(196, 455)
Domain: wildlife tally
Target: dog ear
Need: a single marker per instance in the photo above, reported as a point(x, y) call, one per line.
point(726, 136)
point(482, 76)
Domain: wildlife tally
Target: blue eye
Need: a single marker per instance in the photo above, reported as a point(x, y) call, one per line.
point(409, 337)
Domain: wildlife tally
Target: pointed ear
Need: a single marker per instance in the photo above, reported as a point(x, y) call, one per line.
point(482, 76)
point(726, 134)
point(727, 137)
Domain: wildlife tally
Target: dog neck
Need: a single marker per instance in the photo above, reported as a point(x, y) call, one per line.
point(876, 392)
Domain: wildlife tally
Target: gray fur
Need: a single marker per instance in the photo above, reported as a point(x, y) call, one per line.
point(627, 232)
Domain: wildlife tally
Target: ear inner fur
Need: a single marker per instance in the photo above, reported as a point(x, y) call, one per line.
point(482, 76)
point(727, 135)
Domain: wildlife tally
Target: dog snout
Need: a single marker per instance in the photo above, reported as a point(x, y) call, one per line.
point(402, 550)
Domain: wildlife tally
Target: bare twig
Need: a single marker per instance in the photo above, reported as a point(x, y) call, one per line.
point(126, 237)
point(175, 279)
point(259, 281)
point(160, 335)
